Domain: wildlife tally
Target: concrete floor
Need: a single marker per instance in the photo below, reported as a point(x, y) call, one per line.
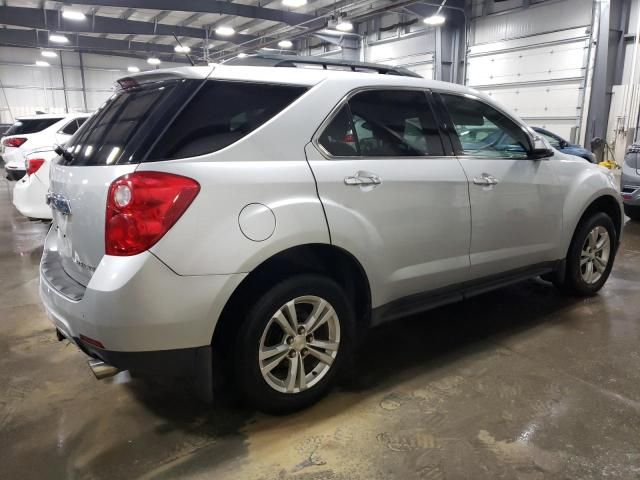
point(519, 383)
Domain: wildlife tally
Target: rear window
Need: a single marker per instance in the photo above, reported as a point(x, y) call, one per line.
point(110, 130)
point(23, 127)
point(221, 113)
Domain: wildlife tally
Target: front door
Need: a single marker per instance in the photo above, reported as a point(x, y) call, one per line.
point(390, 195)
point(516, 221)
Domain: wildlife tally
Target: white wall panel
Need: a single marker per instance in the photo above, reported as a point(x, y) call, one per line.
point(536, 19)
point(533, 60)
point(547, 63)
point(414, 52)
point(28, 88)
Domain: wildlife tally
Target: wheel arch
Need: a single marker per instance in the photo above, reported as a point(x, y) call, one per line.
point(606, 203)
point(319, 258)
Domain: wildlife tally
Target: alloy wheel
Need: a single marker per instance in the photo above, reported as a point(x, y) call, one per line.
point(299, 344)
point(594, 257)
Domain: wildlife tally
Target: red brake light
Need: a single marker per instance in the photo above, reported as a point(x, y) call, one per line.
point(14, 141)
point(33, 165)
point(142, 207)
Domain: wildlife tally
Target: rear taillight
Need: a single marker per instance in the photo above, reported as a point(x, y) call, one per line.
point(142, 207)
point(14, 141)
point(33, 165)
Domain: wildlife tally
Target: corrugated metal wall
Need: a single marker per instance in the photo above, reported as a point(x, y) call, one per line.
point(26, 88)
point(534, 60)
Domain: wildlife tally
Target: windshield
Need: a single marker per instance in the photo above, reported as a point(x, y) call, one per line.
point(23, 127)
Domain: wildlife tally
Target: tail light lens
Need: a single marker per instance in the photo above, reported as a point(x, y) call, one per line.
point(14, 141)
point(33, 165)
point(142, 207)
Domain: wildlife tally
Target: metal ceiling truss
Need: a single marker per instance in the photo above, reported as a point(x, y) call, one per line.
point(53, 20)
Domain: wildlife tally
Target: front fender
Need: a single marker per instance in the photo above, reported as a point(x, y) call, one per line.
point(584, 183)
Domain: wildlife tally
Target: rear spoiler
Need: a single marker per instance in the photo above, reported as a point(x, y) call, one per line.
point(163, 75)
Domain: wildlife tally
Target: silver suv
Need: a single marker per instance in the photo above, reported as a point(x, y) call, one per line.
point(254, 220)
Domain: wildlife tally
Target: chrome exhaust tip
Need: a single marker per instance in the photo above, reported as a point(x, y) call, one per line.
point(102, 370)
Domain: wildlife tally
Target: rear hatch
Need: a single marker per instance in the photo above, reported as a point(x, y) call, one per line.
point(110, 144)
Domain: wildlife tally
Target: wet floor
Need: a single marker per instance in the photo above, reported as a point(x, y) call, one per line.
point(519, 383)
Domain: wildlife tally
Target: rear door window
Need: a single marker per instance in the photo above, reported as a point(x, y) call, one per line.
point(23, 127)
point(221, 113)
point(383, 123)
point(72, 127)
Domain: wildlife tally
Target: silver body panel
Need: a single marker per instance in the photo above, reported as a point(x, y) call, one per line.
point(424, 226)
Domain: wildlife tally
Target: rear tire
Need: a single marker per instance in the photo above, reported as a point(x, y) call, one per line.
point(590, 257)
point(632, 211)
point(293, 343)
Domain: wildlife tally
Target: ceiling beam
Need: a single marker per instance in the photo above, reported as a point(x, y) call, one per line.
point(221, 7)
point(52, 20)
point(34, 39)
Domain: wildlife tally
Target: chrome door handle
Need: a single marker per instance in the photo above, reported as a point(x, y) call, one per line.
point(361, 178)
point(485, 179)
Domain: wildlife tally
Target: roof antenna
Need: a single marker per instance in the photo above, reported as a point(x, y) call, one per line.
point(185, 53)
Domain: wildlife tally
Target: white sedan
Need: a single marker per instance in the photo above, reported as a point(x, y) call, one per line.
point(30, 193)
point(34, 132)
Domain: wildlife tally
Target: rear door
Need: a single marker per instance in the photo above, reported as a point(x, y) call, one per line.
point(391, 195)
point(516, 219)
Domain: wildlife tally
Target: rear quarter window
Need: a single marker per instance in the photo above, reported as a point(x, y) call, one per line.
point(220, 114)
point(23, 127)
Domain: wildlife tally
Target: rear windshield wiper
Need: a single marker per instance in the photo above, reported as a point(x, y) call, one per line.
point(66, 154)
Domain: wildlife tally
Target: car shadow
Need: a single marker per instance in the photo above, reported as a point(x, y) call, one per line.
point(390, 354)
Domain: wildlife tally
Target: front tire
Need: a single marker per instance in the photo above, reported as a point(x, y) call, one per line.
point(293, 343)
point(590, 257)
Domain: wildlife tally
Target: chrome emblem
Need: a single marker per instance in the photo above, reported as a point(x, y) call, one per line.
point(59, 202)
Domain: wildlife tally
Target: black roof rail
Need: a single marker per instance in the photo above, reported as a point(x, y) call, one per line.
point(274, 60)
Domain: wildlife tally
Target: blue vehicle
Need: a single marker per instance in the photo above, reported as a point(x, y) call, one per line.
point(561, 144)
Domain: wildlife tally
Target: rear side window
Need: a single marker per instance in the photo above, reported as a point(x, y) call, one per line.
point(110, 130)
point(22, 127)
point(220, 114)
point(384, 123)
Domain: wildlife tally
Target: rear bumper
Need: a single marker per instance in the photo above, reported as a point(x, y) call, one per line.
point(29, 197)
point(134, 305)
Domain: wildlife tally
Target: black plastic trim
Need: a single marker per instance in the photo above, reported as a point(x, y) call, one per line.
point(421, 302)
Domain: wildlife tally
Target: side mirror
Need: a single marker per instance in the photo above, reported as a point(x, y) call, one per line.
point(564, 144)
point(541, 148)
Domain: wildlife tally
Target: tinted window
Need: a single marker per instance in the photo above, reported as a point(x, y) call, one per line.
point(220, 114)
point(483, 131)
point(114, 125)
point(71, 127)
point(338, 138)
point(394, 123)
point(22, 127)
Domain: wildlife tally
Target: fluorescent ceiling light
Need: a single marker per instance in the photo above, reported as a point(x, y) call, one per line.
point(55, 38)
point(242, 55)
point(181, 49)
point(73, 15)
point(49, 53)
point(133, 69)
point(434, 20)
point(344, 25)
point(42, 63)
point(285, 44)
point(225, 31)
point(153, 61)
point(294, 3)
